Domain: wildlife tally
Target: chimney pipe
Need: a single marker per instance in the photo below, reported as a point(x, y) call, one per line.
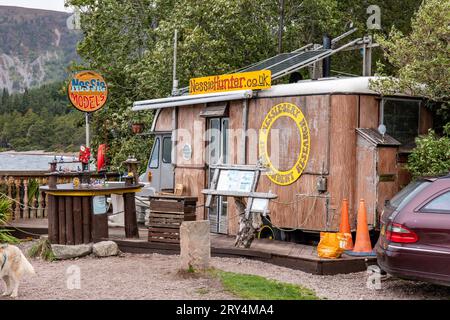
point(327, 61)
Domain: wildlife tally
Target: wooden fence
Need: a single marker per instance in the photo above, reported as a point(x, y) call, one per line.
point(22, 188)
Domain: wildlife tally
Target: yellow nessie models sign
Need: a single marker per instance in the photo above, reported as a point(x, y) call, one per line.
point(228, 82)
point(290, 110)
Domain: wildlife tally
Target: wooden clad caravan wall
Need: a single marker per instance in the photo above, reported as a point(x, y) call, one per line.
point(164, 121)
point(369, 111)
point(191, 173)
point(386, 165)
point(366, 179)
point(425, 119)
point(291, 210)
point(342, 178)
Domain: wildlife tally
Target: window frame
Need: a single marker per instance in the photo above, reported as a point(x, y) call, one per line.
point(163, 149)
point(382, 112)
point(156, 144)
point(434, 197)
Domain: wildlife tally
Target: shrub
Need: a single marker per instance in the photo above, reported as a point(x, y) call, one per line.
point(5, 212)
point(431, 157)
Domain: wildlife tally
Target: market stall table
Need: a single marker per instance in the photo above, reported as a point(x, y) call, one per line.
point(73, 218)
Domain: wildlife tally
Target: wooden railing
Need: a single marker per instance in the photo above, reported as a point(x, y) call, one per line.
point(22, 188)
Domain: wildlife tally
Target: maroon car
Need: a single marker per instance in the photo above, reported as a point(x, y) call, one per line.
point(414, 240)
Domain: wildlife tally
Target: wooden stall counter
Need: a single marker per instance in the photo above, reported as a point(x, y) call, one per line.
point(72, 218)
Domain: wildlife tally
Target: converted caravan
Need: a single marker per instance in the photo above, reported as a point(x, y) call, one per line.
point(320, 136)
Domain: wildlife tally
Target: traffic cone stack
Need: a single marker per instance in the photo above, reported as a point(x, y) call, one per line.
point(344, 227)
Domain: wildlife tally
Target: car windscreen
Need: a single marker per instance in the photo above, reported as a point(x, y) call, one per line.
point(402, 198)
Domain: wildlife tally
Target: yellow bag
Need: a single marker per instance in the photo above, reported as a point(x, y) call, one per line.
point(332, 244)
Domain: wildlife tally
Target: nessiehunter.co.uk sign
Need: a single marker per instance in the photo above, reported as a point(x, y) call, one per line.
point(88, 91)
point(254, 80)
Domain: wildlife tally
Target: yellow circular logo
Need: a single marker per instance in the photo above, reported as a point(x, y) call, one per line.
point(290, 110)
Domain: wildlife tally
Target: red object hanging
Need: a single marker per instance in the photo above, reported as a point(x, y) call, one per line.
point(101, 157)
point(85, 154)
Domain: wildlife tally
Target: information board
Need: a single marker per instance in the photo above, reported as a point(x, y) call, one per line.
point(235, 180)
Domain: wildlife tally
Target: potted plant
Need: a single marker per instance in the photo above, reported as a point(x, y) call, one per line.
point(138, 125)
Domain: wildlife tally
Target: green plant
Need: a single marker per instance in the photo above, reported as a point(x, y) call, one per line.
point(191, 269)
point(259, 288)
point(42, 249)
point(432, 155)
point(33, 191)
point(5, 214)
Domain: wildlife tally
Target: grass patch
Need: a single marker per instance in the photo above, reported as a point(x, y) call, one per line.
point(259, 288)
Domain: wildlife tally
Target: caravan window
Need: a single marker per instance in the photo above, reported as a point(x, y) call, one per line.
point(401, 118)
point(167, 150)
point(154, 160)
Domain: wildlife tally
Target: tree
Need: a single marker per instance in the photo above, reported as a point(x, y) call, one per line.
point(422, 58)
point(131, 44)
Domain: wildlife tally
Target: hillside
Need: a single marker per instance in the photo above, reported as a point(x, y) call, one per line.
point(35, 47)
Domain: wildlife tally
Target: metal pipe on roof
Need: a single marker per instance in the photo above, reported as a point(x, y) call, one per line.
point(191, 99)
point(326, 61)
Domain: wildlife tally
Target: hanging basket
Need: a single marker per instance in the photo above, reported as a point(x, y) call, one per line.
point(137, 128)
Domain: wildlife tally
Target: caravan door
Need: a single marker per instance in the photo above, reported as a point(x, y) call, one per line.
point(160, 171)
point(218, 150)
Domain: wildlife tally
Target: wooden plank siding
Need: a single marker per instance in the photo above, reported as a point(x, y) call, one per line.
point(191, 173)
point(342, 178)
point(366, 180)
point(349, 164)
point(291, 210)
point(369, 111)
point(164, 121)
point(386, 165)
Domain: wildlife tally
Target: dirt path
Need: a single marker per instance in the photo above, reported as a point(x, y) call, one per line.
point(155, 276)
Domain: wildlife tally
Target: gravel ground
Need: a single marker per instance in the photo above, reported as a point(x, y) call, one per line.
point(155, 276)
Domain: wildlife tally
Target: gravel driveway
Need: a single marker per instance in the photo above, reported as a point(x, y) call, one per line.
point(155, 276)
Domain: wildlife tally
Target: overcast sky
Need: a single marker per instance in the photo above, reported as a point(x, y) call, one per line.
point(56, 5)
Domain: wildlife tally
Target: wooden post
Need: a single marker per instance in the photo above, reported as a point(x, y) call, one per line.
point(99, 226)
point(25, 213)
point(45, 205)
point(131, 228)
point(62, 220)
point(86, 211)
point(9, 182)
point(33, 210)
point(53, 224)
point(69, 221)
point(77, 221)
point(17, 191)
point(40, 209)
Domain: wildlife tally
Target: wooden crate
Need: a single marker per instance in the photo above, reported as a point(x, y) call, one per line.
point(166, 215)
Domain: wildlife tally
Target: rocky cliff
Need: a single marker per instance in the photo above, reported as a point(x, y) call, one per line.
point(36, 47)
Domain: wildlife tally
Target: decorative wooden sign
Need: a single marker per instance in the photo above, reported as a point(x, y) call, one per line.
point(88, 91)
point(254, 80)
point(290, 110)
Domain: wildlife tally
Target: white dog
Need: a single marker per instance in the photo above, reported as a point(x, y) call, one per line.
point(13, 266)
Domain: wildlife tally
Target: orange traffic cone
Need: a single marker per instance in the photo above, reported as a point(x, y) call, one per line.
point(362, 242)
point(344, 227)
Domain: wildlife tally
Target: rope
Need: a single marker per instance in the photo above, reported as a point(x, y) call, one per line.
point(22, 205)
point(309, 214)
